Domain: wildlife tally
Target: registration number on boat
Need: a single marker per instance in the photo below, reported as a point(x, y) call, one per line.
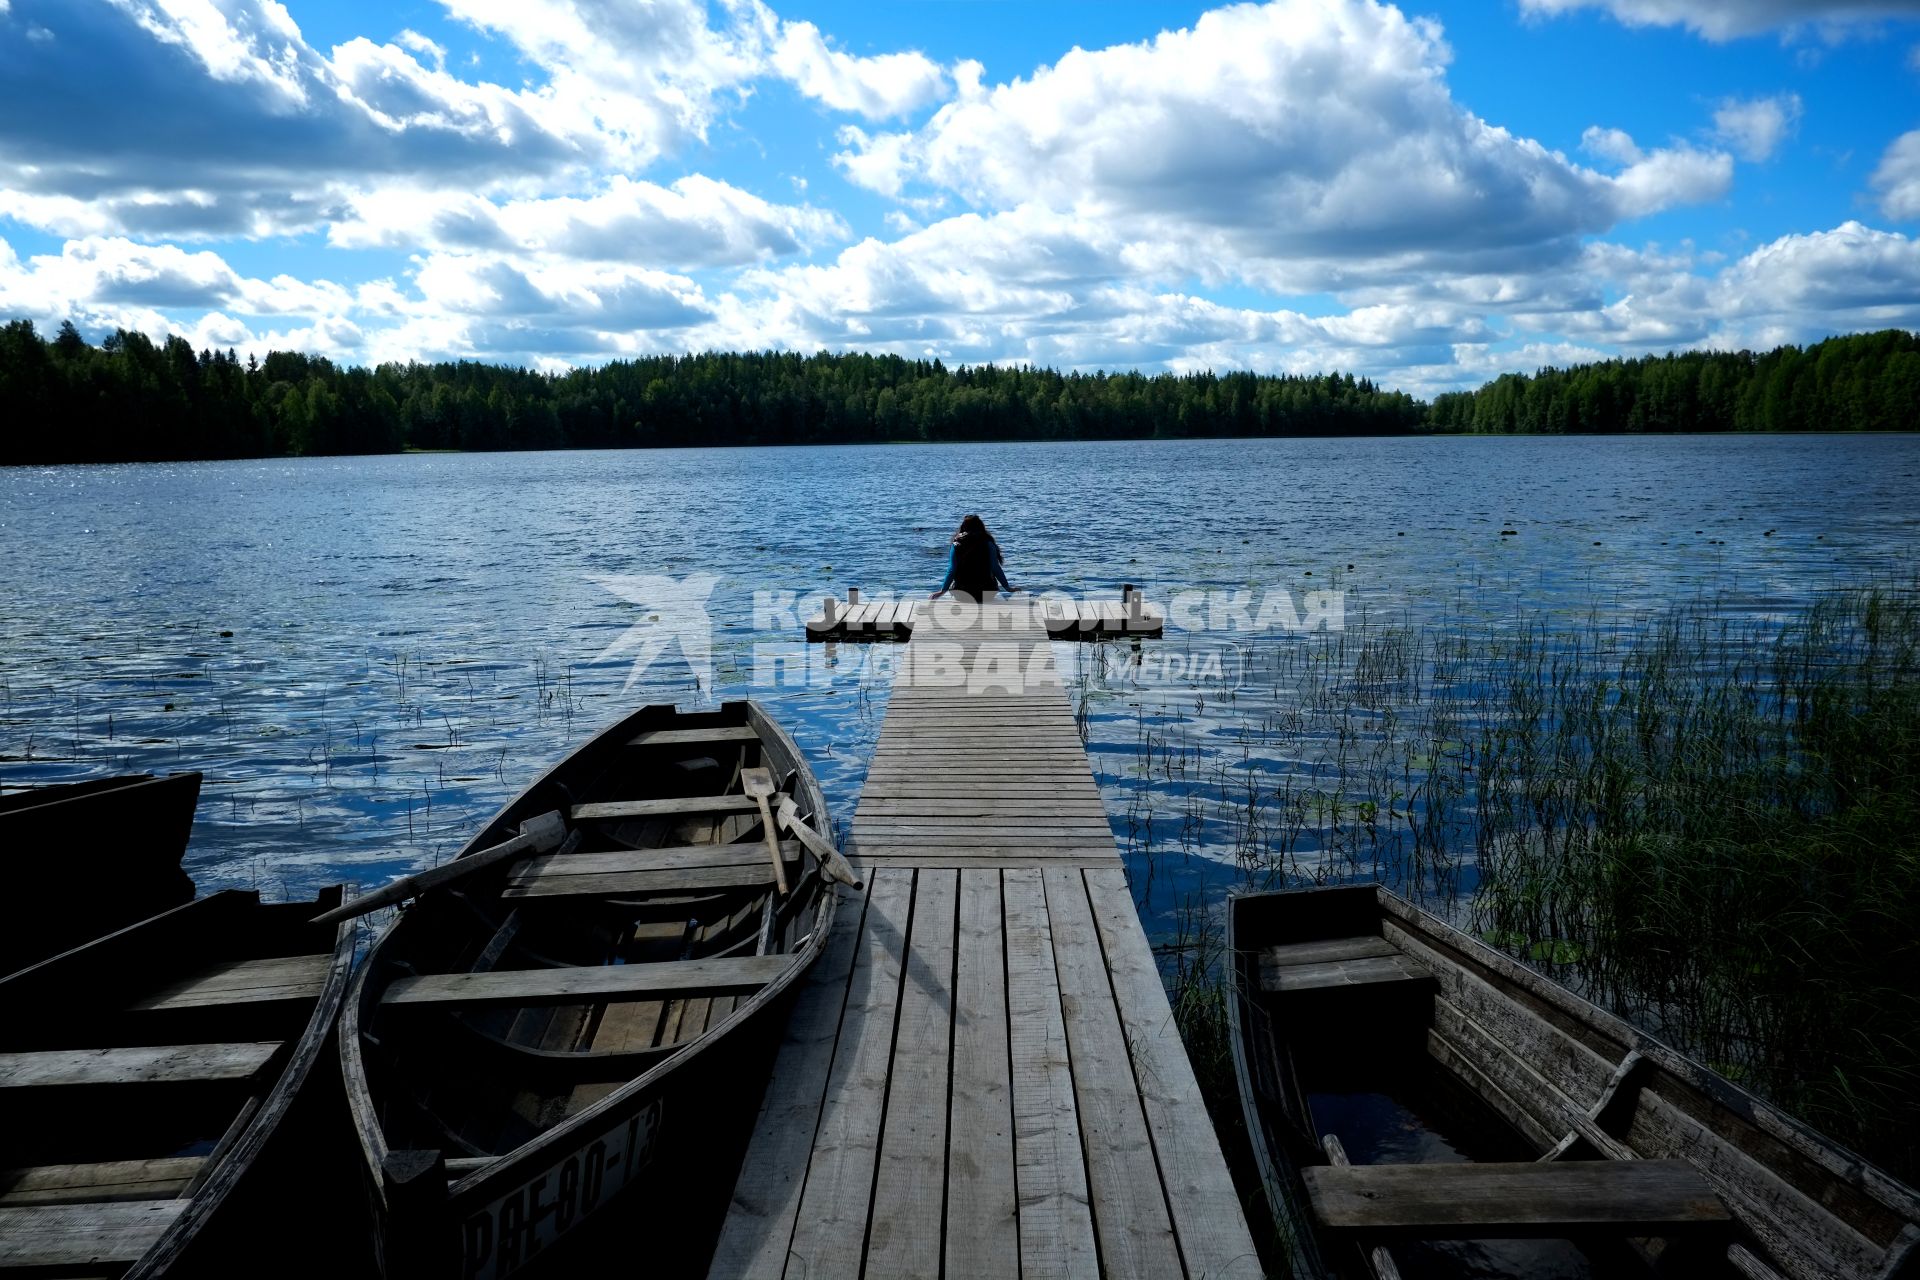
point(510, 1232)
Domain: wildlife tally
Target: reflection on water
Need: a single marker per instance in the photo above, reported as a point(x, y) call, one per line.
point(412, 638)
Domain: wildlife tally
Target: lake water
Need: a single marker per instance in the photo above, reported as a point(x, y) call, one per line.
point(413, 638)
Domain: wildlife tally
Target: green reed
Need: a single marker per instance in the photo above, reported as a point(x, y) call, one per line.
point(1706, 821)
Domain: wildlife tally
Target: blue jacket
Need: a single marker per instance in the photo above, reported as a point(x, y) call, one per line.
point(994, 559)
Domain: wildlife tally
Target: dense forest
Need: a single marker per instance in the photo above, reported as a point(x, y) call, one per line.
point(66, 400)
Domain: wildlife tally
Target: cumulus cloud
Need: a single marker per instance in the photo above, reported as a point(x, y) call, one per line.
point(1323, 137)
point(1727, 19)
point(1755, 127)
point(1897, 179)
point(694, 222)
point(878, 88)
point(225, 121)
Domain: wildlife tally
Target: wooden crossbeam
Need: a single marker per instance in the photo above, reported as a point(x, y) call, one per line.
point(140, 1064)
point(1528, 1199)
point(679, 807)
point(521, 987)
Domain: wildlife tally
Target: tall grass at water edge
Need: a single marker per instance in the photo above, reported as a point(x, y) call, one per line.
point(1706, 820)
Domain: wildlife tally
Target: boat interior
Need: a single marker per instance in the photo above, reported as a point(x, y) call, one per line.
point(1427, 1107)
point(664, 889)
point(130, 1068)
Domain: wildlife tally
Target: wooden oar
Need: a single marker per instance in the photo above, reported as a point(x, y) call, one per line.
point(758, 783)
point(835, 866)
point(540, 834)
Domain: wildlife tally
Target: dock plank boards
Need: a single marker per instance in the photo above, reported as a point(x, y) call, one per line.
point(982, 1077)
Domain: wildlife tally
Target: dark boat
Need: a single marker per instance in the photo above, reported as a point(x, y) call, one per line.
point(1421, 1103)
point(92, 856)
point(164, 1088)
point(529, 1042)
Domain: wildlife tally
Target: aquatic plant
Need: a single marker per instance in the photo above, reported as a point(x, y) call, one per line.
point(1706, 819)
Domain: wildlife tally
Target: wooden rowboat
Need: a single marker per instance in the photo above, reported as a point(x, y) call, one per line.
point(93, 856)
point(1419, 1102)
point(530, 1042)
point(164, 1090)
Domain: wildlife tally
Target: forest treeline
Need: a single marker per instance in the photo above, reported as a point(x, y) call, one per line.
point(64, 399)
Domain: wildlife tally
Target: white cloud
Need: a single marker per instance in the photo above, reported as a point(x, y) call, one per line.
point(1755, 127)
point(1321, 146)
point(1897, 179)
point(878, 88)
point(410, 39)
point(1727, 19)
point(695, 222)
point(1616, 145)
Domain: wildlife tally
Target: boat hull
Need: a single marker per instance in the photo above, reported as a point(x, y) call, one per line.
point(97, 855)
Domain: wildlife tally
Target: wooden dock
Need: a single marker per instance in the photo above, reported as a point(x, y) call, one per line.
point(1062, 617)
point(981, 1076)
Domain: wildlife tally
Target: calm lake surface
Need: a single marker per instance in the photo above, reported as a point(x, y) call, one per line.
point(415, 637)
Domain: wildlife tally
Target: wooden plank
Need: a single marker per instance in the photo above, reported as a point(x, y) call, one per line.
point(1326, 950)
point(766, 1197)
point(666, 859)
point(1800, 1233)
point(1129, 1203)
point(717, 736)
point(983, 1236)
point(1574, 1068)
point(83, 1235)
point(1367, 971)
point(1055, 1220)
point(679, 807)
point(964, 863)
point(587, 983)
point(242, 982)
point(830, 1232)
point(139, 1064)
point(910, 1192)
point(692, 879)
point(984, 807)
point(1213, 1235)
point(1465, 1201)
point(949, 848)
point(161, 1179)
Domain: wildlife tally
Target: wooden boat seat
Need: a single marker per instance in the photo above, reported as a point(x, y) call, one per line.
point(82, 1235)
point(160, 1179)
point(142, 1064)
point(676, 807)
point(528, 987)
point(243, 982)
point(1337, 962)
point(1466, 1201)
point(628, 871)
point(714, 737)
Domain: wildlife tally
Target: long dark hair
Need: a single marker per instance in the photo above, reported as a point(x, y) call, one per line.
point(971, 523)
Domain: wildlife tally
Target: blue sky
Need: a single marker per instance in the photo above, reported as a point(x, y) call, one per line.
point(1427, 195)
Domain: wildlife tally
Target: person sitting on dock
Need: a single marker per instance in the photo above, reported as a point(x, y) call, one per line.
point(975, 565)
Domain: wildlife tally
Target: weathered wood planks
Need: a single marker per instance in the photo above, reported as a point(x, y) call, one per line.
point(982, 1078)
point(574, 985)
point(1435, 1201)
point(136, 1064)
point(242, 982)
point(82, 1235)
